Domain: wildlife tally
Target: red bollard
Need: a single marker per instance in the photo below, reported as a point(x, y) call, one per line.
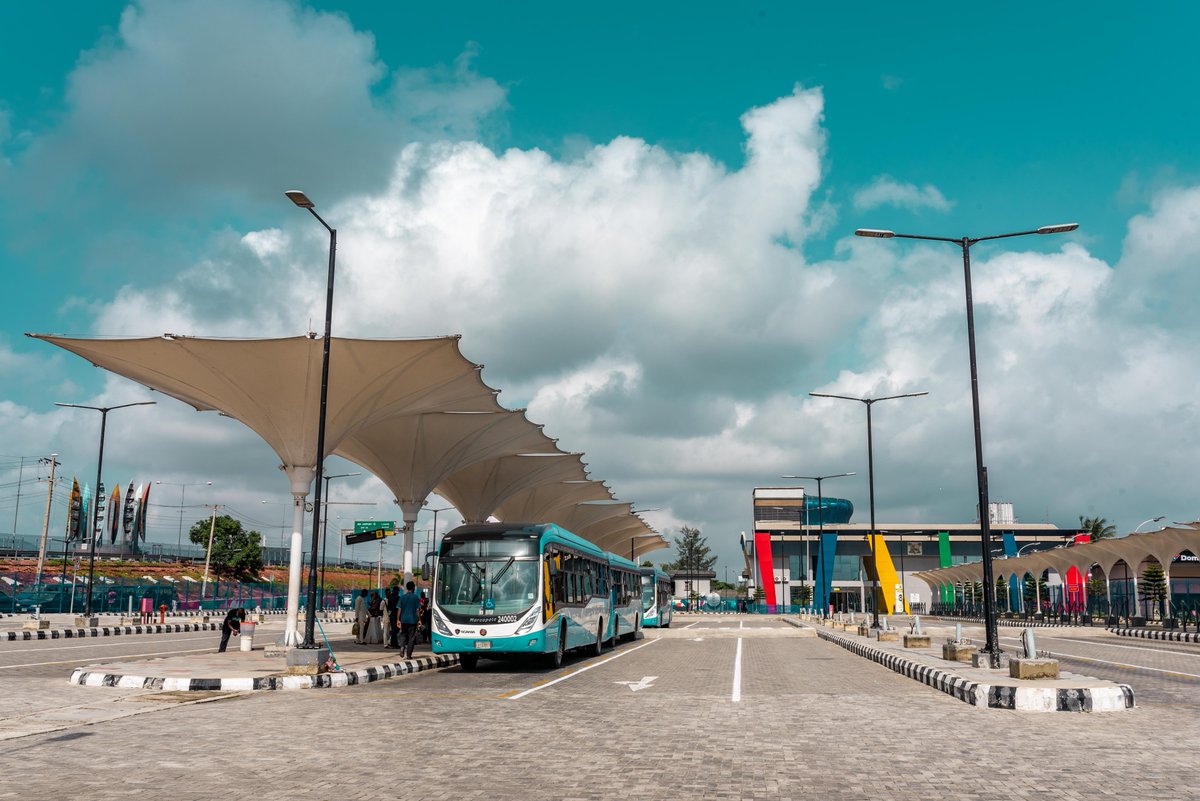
point(162, 613)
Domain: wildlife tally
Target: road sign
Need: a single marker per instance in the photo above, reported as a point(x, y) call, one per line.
point(371, 530)
point(365, 526)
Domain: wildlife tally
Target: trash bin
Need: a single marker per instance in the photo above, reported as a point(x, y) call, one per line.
point(246, 641)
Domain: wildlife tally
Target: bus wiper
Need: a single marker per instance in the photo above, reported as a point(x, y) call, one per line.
point(503, 570)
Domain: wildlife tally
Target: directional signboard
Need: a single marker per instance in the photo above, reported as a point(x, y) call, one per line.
point(371, 530)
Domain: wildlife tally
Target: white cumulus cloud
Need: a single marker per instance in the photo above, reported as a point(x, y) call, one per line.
point(887, 191)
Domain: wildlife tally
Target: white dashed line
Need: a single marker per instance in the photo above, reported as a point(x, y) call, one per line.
point(737, 674)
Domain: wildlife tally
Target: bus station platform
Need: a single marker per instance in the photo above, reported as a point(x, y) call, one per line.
point(247, 671)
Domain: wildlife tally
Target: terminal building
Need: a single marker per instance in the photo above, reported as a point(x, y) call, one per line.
point(803, 544)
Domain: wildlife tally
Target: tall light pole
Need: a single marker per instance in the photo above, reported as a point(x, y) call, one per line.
point(90, 525)
point(433, 536)
point(182, 499)
point(325, 524)
point(1151, 520)
point(992, 646)
point(869, 402)
point(820, 523)
point(310, 620)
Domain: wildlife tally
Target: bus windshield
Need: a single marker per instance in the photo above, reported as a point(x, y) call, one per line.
point(647, 592)
point(486, 586)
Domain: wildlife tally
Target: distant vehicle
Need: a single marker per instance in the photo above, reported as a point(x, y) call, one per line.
point(536, 589)
point(657, 604)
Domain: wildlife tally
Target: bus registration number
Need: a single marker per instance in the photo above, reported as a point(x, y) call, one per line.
point(482, 645)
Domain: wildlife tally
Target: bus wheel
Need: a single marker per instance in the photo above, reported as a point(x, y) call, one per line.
point(666, 624)
point(612, 641)
point(468, 661)
point(598, 648)
point(554, 660)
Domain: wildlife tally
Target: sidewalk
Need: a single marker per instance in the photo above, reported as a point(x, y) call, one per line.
point(984, 687)
point(240, 671)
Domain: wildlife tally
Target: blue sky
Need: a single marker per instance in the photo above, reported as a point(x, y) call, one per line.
point(144, 149)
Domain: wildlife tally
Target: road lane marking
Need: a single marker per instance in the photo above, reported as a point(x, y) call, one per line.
point(737, 674)
point(692, 624)
point(741, 624)
point(645, 683)
point(584, 669)
point(109, 644)
point(120, 656)
point(1117, 645)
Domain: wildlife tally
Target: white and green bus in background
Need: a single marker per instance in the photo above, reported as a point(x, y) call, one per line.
point(657, 590)
point(504, 589)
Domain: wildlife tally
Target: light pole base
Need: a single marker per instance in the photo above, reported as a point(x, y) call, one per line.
point(307, 661)
point(986, 659)
point(84, 622)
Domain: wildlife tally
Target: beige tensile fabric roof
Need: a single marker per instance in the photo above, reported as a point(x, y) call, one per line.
point(540, 503)
point(1132, 549)
point(273, 385)
point(393, 407)
point(477, 491)
point(412, 454)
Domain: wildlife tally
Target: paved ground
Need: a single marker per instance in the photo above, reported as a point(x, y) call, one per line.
point(661, 718)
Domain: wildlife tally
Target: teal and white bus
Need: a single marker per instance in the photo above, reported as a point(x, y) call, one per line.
point(656, 598)
point(522, 588)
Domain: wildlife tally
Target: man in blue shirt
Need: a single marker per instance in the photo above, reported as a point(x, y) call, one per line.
point(409, 606)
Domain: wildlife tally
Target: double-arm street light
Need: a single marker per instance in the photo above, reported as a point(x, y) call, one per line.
point(869, 402)
point(301, 200)
point(821, 524)
point(182, 498)
point(91, 525)
point(1151, 520)
point(992, 647)
point(325, 525)
point(433, 535)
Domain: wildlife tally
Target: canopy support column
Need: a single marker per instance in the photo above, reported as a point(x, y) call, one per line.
point(410, 510)
point(301, 480)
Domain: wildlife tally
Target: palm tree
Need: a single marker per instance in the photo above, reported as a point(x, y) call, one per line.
point(1097, 528)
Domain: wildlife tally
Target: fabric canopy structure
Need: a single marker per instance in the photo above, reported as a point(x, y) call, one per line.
point(415, 412)
point(479, 490)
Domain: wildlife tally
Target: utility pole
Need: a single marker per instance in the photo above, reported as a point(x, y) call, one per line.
point(53, 462)
point(17, 508)
point(212, 527)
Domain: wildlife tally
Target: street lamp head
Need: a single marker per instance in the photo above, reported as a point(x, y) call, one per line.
point(1058, 229)
point(299, 198)
point(874, 233)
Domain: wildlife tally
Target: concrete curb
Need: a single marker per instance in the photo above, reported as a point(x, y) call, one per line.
point(1158, 634)
point(1025, 699)
point(25, 635)
point(84, 678)
point(1014, 623)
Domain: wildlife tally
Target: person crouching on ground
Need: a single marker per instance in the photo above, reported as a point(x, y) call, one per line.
point(232, 624)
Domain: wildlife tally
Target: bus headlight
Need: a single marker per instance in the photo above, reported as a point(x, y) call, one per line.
point(440, 624)
point(527, 624)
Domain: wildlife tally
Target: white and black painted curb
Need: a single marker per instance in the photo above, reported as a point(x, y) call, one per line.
point(106, 631)
point(1158, 634)
point(1025, 699)
point(1014, 623)
point(86, 678)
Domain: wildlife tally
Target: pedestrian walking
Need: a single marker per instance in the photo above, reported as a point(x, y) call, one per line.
point(147, 609)
point(425, 615)
point(231, 625)
point(360, 617)
point(392, 597)
point(410, 606)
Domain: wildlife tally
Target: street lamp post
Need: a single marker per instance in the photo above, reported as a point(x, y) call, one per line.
point(90, 525)
point(433, 536)
point(310, 620)
point(1151, 520)
point(325, 525)
point(869, 402)
point(992, 646)
point(821, 525)
point(182, 499)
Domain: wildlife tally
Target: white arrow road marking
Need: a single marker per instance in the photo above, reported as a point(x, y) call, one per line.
point(697, 639)
point(647, 681)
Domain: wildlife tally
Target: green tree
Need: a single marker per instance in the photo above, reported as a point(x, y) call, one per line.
point(236, 553)
point(1154, 587)
point(1033, 590)
point(693, 552)
point(1096, 591)
point(1002, 593)
point(1097, 528)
